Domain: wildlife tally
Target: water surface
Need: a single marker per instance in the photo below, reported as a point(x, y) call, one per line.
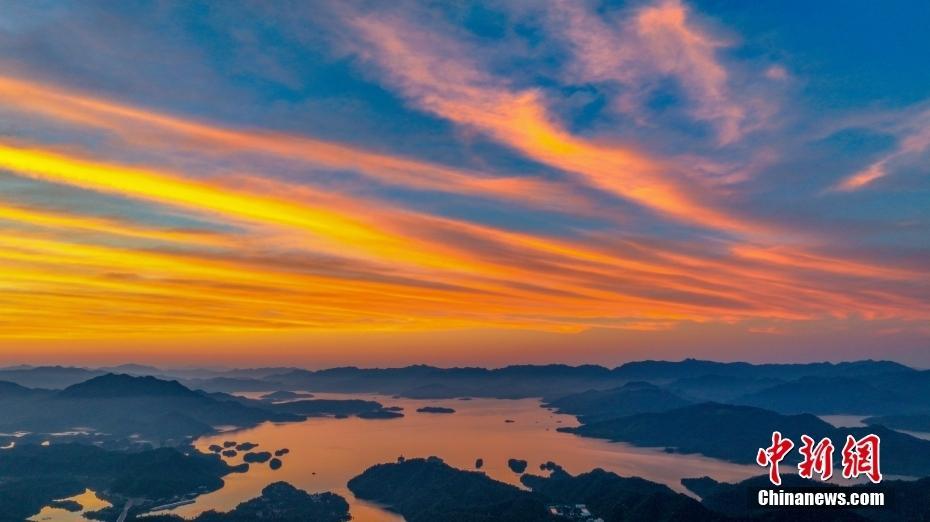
point(88, 500)
point(326, 452)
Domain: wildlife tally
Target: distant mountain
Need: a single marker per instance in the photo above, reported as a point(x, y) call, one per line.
point(553, 381)
point(162, 412)
point(123, 405)
point(115, 385)
point(429, 382)
point(831, 395)
point(132, 369)
point(231, 384)
point(53, 377)
point(723, 431)
point(915, 385)
point(13, 390)
point(719, 388)
point(914, 422)
point(520, 381)
point(735, 433)
point(668, 370)
point(635, 397)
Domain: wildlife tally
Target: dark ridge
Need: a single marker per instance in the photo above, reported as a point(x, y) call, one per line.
point(121, 385)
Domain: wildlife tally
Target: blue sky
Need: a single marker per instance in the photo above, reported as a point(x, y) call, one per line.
point(611, 175)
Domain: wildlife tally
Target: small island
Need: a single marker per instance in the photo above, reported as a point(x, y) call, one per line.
point(285, 396)
point(275, 463)
point(379, 414)
point(257, 456)
point(435, 409)
point(516, 465)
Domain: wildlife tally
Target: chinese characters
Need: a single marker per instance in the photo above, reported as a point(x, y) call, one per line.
point(860, 457)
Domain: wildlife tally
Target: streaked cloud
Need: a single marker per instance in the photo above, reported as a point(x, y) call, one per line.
point(575, 170)
point(912, 133)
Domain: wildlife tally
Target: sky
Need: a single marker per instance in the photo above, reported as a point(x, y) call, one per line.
point(384, 183)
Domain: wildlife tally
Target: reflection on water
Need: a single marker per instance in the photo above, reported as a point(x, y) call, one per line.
point(326, 453)
point(88, 500)
point(844, 421)
point(919, 434)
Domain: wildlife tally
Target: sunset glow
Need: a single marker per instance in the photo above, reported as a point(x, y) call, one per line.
point(592, 184)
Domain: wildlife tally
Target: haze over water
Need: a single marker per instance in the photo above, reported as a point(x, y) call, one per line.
point(327, 452)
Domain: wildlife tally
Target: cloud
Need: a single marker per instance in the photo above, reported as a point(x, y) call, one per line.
point(152, 129)
point(439, 75)
point(638, 47)
point(913, 141)
point(589, 226)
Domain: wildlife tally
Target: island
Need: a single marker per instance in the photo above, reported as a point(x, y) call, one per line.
point(426, 490)
point(284, 395)
point(435, 409)
point(516, 465)
point(379, 414)
point(35, 476)
point(259, 456)
point(279, 502)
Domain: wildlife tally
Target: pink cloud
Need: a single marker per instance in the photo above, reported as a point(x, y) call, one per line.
point(637, 48)
point(913, 141)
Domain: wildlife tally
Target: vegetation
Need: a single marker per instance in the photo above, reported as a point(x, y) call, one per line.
point(279, 502)
point(426, 490)
point(33, 476)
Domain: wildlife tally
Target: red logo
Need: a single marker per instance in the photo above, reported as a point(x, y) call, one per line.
point(817, 459)
point(774, 454)
point(860, 457)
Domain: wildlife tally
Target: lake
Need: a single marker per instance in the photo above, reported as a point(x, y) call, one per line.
point(88, 501)
point(326, 452)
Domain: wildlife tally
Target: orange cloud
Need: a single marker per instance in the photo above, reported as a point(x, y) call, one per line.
point(418, 63)
point(152, 129)
point(913, 141)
